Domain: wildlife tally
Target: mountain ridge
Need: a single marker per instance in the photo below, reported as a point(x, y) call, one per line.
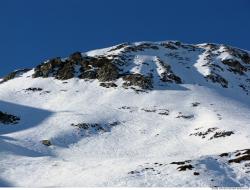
point(109, 65)
point(141, 114)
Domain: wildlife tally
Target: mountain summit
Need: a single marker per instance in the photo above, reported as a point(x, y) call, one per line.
point(136, 114)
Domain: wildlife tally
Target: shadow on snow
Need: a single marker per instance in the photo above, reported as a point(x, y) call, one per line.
point(29, 117)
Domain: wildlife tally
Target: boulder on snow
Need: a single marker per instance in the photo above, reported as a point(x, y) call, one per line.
point(46, 142)
point(185, 167)
point(8, 118)
point(34, 89)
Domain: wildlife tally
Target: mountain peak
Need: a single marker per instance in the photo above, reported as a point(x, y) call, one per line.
point(134, 114)
point(152, 65)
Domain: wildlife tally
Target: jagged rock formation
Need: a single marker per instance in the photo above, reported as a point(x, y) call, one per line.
point(144, 64)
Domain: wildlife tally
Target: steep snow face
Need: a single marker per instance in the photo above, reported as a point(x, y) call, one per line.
point(140, 114)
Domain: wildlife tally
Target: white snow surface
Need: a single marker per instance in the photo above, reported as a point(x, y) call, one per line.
point(144, 137)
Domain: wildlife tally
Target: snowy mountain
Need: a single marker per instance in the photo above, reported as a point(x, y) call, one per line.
point(136, 114)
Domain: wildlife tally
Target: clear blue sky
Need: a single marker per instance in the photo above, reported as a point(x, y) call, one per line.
point(34, 30)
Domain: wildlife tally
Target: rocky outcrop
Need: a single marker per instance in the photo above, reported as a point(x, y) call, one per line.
point(217, 79)
point(140, 47)
point(76, 57)
point(235, 66)
point(107, 72)
point(243, 55)
point(168, 75)
point(6, 118)
point(99, 68)
point(46, 142)
point(89, 128)
point(48, 68)
point(108, 84)
point(143, 64)
point(145, 82)
point(14, 74)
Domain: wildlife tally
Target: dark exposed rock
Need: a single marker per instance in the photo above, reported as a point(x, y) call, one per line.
point(148, 110)
point(214, 67)
point(212, 47)
point(204, 134)
point(112, 66)
point(169, 45)
point(97, 127)
point(134, 172)
point(181, 162)
point(245, 58)
point(89, 74)
point(243, 55)
point(195, 104)
point(235, 66)
point(238, 156)
point(178, 163)
point(107, 72)
point(223, 154)
point(244, 87)
point(196, 173)
point(65, 71)
point(240, 159)
point(86, 125)
point(62, 69)
point(246, 151)
point(33, 89)
point(46, 142)
point(185, 116)
point(217, 79)
point(48, 68)
point(145, 82)
point(168, 75)
point(108, 84)
point(8, 118)
point(140, 47)
point(96, 62)
point(163, 112)
point(14, 74)
point(99, 68)
point(185, 167)
point(119, 47)
point(76, 57)
point(222, 134)
point(216, 134)
point(115, 123)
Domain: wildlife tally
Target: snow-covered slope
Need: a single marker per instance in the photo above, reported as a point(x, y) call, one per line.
point(140, 114)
